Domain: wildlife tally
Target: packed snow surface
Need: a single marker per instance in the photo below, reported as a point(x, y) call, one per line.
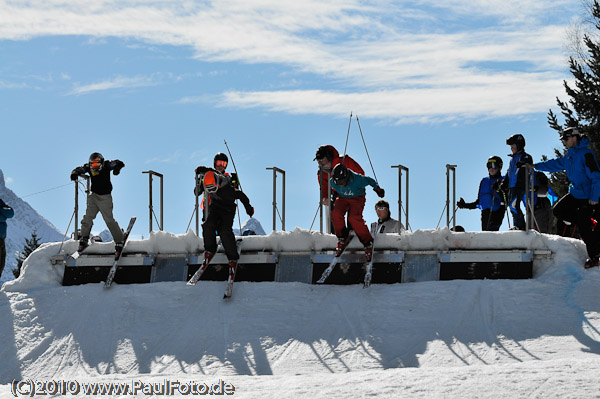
point(480, 338)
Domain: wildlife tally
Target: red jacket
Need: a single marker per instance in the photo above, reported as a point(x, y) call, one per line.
point(348, 162)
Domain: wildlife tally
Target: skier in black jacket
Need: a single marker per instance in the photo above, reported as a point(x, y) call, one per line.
point(100, 199)
point(220, 192)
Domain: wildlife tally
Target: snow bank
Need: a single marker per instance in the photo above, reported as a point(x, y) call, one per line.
point(39, 272)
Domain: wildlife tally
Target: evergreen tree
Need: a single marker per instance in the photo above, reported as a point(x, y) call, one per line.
point(31, 245)
point(582, 110)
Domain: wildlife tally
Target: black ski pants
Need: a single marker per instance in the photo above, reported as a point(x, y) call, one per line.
point(221, 224)
point(2, 255)
point(580, 212)
point(491, 221)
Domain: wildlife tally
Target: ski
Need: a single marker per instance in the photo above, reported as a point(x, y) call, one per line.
point(203, 267)
point(232, 270)
point(368, 274)
point(334, 261)
point(113, 269)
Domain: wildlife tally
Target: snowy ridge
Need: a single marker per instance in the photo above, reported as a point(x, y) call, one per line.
point(481, 338)
point(20, 227)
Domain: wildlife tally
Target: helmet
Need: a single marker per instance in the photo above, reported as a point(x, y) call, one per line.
point(96, 162)
point(517, 139)
point(324, 151)
point(494, 162)
point(220, 157)
point(569, 132)
point(340, 175)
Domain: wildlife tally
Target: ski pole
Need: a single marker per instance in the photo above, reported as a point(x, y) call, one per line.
point(240, 184)
point(347, 135)
point(366, 150)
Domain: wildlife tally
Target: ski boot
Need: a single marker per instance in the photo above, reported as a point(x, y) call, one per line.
point(592, 262)
point(208, 257)
point(369, 251)
point(341, 245)
point(83, 244)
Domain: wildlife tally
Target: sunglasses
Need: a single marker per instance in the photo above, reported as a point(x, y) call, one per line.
point(221, 163)
point(565, 138)
point(381, 208)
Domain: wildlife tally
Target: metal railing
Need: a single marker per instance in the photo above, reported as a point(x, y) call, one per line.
point(161, 225)
point(450, 169)
point(400, 169)
point(275, 209)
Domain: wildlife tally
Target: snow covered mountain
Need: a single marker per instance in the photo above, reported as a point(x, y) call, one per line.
point(464, 338)
point(20, 227)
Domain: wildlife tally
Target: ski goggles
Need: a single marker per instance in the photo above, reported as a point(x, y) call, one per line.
point(96, 165)
point(221, 163)
point(493, 165)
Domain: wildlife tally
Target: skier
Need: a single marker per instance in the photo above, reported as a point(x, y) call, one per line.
point(6, 212)
point(328, 157)
point(220, 192)
point(385, 223)
point(514, 182)
point(580, 205)
point(100, 199)
point(350, 187)
point(489, 200)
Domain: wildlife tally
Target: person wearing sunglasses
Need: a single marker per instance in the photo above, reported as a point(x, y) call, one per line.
point(385, 222)
point(221, 190)
point(100, 198)
point(489, 199)
point(580, 206)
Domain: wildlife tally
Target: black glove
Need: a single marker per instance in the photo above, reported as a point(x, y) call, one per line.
point(461, 203)
point(235, 181)
point(74, 176)
point(380, 192)
point(117, 166)
point(250, 210)
point(200, 170)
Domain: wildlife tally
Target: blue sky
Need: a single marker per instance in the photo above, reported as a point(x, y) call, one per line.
point(160, 85)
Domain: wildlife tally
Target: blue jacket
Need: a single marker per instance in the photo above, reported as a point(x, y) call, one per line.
point(582, 170)
point(6, 212)
point(516, 176)
point(356, 185)
point(487, 195)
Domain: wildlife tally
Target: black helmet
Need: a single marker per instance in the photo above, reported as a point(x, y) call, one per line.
point(494, 162)
point(220, 157)
point(517, 139)
point(570, 132)
point(324, 151)
point(96, 162)
point(340, 175)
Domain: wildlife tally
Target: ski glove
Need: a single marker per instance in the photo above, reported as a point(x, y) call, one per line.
point(235, 181)
point(461, 203)
point(200, 170)
point(77, 172)
point(117, 166)
point(380, 191)
point(250, 210)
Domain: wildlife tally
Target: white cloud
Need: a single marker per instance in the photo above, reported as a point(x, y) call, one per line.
point(432, 50)
point(119, 82)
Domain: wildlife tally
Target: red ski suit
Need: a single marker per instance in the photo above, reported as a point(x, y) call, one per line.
point(348, 162)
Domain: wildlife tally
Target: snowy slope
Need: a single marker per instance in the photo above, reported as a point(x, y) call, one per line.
point(20, 227)
point(490, 338)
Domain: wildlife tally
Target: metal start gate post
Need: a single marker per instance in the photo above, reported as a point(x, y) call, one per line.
point(87, 191)
point(275, 171)
point(400, 169)
point(448, 169)
point(152, 173)
point(328, 209)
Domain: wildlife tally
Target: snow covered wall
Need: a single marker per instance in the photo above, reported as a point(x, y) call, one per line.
point(480, 338)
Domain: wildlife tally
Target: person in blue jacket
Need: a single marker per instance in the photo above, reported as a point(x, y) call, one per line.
point(6, 212)
point(514, 182)
point(490, 201)
point(350, 188)
point(580, 205)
